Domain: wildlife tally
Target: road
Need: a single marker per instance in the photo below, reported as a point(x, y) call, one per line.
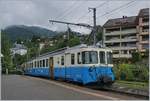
point(19, 87)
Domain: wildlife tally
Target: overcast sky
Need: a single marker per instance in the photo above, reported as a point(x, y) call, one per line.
point(38, 12)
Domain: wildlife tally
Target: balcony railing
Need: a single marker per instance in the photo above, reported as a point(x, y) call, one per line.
point(122, 55)
point(123, 47)
point(145, 24)
point(120, 40)
point(121, 32)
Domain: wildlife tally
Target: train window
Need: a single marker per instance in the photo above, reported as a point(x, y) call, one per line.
point(109, 58)
point(34, 63)
point(57, 60)
point(102, 57)
point(43, 63)
point(62, 60)
point(40, 63)
point(72, 59)
point(89, 57)
point(46, 62)
point(30, 65)
point(79, 58)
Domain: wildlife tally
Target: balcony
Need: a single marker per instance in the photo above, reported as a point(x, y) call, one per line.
point(145, 24)
point(120, 40)
point(144, 42)
point(144, 33)
point(122, 55)
point(121, 32)
point(122, 47)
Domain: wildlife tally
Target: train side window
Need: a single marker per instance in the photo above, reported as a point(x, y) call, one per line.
point(40, 63)
point(102, 57)
point(72, 59)
point(79, 58)
point(31, 65)
point(43, 63)
point(62, 60)
point(46, 62)
point(34, 64)
point(57, 60)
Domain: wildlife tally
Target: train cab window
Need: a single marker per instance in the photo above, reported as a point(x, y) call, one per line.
point(43, 63)
point(46, 62)
point(89, 57)
point(40, 63)
point(109, 58)
point(72, 59)
point(62, 60)
point(79, 58)
point(102, 57)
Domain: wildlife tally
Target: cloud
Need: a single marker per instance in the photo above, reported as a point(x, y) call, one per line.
point(38, 12)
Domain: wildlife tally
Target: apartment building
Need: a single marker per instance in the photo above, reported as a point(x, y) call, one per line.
point(121, 36)
point(143, 28)
point(127, 34)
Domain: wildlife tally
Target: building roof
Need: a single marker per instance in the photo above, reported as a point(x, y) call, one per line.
point(124, 21)
point(144, 12)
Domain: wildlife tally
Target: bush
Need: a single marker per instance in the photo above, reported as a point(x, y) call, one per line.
point(126, 72)
point(131, 72)
point(136, 56)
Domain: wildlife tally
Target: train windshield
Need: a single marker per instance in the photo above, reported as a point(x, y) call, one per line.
point(89, 57)
point(109, 58)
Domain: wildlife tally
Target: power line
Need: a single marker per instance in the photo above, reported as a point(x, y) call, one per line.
point(117, 8)
point(120, 7)
point(70, 11)
point(66, 10)
point(101, 4)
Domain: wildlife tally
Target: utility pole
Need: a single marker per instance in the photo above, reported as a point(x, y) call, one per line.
point(94, 25)
point(68, 32)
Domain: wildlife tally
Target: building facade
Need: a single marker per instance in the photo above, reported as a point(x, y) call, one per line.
point(143, 29)
point(127, 34)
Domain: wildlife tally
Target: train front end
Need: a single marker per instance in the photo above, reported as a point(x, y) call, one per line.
point(97, 65)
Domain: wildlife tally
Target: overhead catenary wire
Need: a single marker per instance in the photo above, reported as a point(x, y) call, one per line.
point(122, 8)
point(66, 10)
point(85, 14)
point(70, 11)
point(124, 5)
point(101, 4)
point(115, 9)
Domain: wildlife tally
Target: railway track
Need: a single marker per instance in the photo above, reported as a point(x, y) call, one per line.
point(115, 89)
point(122, 90)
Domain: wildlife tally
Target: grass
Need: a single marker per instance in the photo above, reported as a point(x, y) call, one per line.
point(133, 84)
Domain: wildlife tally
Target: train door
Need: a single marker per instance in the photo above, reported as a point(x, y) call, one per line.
point(51, 67)
point(67, 64)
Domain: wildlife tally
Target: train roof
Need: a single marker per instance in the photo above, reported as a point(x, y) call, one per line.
point(63, 50)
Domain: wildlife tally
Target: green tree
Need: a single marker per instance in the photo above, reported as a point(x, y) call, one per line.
point(74, 41)
point(6, 45)
point(19, 59)
point(136, 56)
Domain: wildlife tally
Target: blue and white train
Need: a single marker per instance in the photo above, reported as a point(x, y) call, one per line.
point(83, 64)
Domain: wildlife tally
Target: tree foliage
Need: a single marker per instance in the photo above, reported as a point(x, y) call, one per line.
point(6, 45)
point(136, 56)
